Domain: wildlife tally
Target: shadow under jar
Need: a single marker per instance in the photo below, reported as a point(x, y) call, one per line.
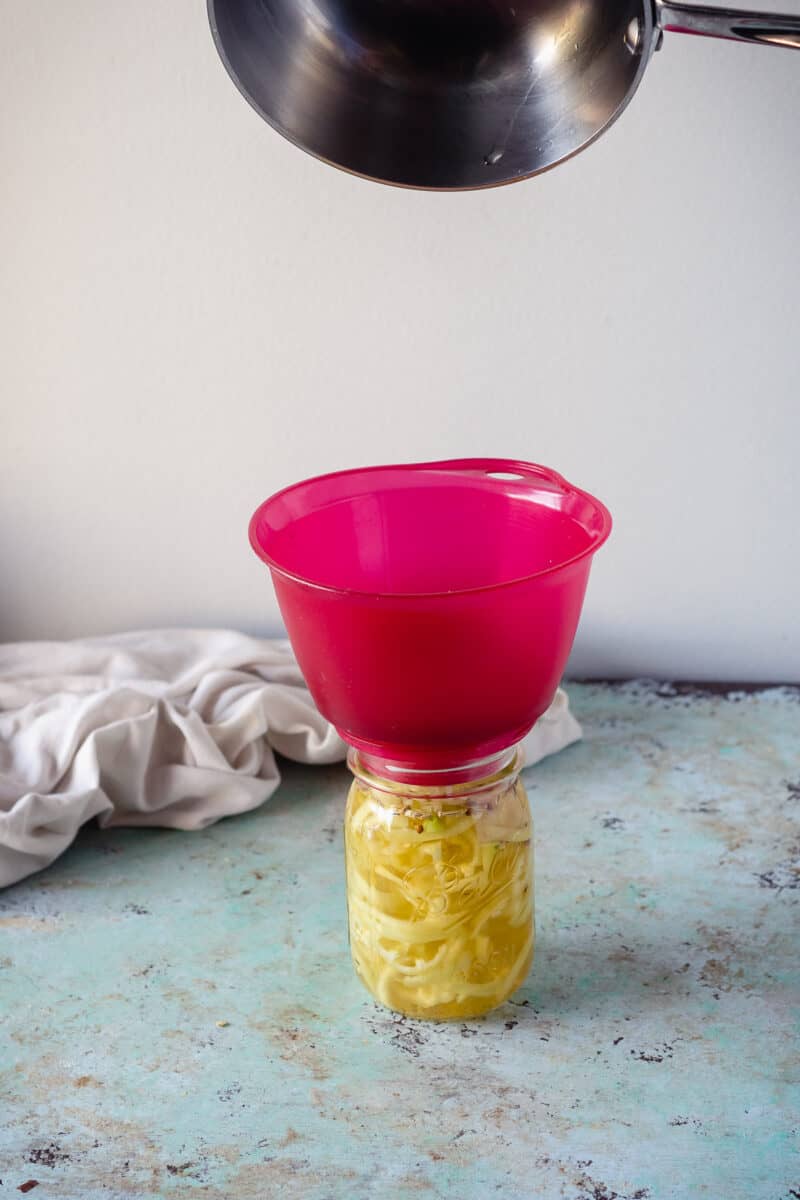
point(440, 885)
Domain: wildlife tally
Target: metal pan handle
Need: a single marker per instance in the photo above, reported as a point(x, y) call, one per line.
point(735, 24)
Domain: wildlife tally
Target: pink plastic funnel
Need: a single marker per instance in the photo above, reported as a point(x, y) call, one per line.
point(431, 606)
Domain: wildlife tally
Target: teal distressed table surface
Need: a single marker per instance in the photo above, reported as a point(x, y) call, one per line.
point(180, 1018)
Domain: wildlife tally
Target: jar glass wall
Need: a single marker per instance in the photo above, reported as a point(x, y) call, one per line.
point(440, 886)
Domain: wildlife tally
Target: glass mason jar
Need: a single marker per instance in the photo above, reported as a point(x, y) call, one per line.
point(440, 885)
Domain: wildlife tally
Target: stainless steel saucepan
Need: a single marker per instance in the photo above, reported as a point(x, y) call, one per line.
point(450, 94)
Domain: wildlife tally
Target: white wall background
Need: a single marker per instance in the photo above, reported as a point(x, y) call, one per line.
point(193, 314)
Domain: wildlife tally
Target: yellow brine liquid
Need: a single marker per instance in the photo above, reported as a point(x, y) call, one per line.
point(440, 891)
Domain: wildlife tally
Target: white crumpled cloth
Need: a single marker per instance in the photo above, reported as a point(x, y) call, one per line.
point(167, 727)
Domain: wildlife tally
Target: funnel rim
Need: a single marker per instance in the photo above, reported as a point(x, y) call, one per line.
point(485, 465)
